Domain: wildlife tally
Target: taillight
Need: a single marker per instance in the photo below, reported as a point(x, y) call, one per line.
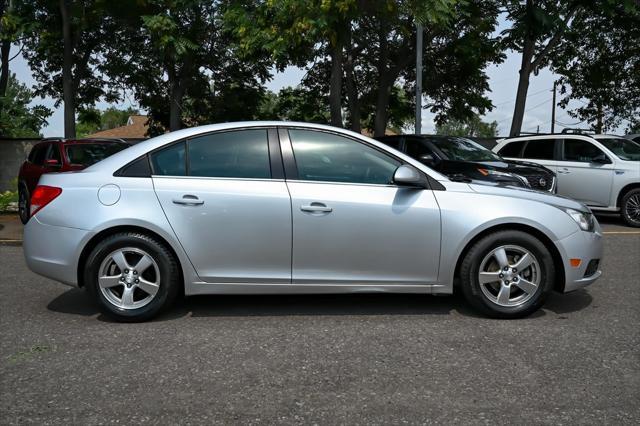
point(42, 196)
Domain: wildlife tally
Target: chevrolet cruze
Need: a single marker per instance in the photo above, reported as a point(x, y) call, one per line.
point(275, 207)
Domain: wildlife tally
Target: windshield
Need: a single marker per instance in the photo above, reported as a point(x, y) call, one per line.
point(86, 154)
point(625, 149)
point(461, 149)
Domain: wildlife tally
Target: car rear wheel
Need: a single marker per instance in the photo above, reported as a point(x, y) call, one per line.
point(24, 203)
point(508, 274)
point(630, 208)
point(132, 276)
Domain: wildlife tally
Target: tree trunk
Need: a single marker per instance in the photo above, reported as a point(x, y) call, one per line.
point(382, 104)
point(352, 95)
point(5, 48)
point(335, 84)
point(523, 87)
point(175, 108)
point(68, 92)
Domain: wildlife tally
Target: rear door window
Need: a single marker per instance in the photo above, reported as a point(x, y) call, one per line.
point(512, 149)
point(540, 149)
point(40, 151)
point(580, 151)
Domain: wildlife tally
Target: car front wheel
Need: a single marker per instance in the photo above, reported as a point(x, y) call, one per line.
point(132, 276)
point(507, 274)
point(630, 208)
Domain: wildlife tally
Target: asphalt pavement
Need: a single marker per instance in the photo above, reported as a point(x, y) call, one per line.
point(344, 359)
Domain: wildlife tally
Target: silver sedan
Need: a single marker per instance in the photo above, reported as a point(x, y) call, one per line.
point(273, 207)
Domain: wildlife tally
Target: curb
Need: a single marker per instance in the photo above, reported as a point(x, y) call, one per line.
point(13, 243)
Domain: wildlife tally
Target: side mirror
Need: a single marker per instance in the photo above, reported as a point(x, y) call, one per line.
point(52, 162)
point(427, 159)
point(601, 159)
point(409, 176)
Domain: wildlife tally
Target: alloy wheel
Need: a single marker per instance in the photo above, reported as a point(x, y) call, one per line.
point(632, 208)
point(509, 275)
point(129, 278)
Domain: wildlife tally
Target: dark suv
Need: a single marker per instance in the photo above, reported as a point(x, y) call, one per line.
point(463, 159)
point(60, 155)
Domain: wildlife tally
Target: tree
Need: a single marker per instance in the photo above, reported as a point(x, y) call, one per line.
point(292, 32)
point(538, 28)
point(64, 47)
point(471, 127)
point(17, 118)
point(360, 53)
point(178, 54)
point(295, 104)
point(91, 120)
point(602, 67)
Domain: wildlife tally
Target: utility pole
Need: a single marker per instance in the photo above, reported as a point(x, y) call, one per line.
point(553, 108)
point(418, 126)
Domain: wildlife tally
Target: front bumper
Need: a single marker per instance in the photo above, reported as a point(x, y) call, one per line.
point(585, 246)
point(53, 251)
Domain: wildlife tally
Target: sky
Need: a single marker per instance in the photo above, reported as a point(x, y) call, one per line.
point(503, 82)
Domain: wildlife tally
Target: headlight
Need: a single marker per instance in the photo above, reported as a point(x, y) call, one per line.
point(511, 176)
point(584, 220)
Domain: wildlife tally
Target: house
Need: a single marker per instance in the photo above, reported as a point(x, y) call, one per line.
point(135, 130)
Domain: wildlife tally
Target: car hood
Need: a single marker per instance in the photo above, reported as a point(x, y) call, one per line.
point(518, 167)
point(527, 194)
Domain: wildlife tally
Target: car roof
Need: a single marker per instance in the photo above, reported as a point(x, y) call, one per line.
point(121, 158)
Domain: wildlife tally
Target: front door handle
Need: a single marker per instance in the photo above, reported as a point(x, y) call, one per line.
point(564, 171)
point(316, 207)
point(188, 200)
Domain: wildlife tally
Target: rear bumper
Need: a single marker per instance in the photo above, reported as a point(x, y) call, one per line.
point(53, 251)
point(585, 246)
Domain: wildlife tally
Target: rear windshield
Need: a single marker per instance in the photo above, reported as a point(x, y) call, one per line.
point(86, 154)
point(625, 149)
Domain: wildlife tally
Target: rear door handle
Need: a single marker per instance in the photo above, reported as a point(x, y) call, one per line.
point(188, 200)
point(564, 171)
point(316, 207)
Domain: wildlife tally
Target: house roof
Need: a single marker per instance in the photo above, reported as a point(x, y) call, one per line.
point(136, 128)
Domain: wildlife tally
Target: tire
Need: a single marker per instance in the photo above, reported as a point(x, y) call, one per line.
point(630, 208)
point(528, 287)
point(24, 203)
point(122, 292)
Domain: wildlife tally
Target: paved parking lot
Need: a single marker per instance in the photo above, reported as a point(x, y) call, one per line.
point(355, 359)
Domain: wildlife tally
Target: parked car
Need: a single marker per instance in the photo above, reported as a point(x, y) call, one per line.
point(462, 158)
point(60, 155)
point(634, 137)
point(273, 207)
point(601, 171)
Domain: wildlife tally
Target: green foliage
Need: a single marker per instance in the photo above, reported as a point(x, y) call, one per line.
point(185, 70)
point(602, 67)
point(17, 118)
point(295, 104)
point(9, 196)
point(92, 32)
point(92, 120)
point(470, 127)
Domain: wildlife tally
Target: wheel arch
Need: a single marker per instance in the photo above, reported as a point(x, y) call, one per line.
point(93, 242)
point(624, 190)
point(549, 244)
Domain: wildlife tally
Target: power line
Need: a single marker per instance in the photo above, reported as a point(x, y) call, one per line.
point(528, 96)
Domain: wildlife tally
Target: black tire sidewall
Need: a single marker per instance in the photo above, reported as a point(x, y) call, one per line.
point(471, 266)
point(24, 213)
point(623, 206)
point(169, 279)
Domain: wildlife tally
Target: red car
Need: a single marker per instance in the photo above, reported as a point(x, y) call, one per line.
point(60, 155)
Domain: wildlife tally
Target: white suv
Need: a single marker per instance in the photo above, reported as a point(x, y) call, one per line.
point(602, 171)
